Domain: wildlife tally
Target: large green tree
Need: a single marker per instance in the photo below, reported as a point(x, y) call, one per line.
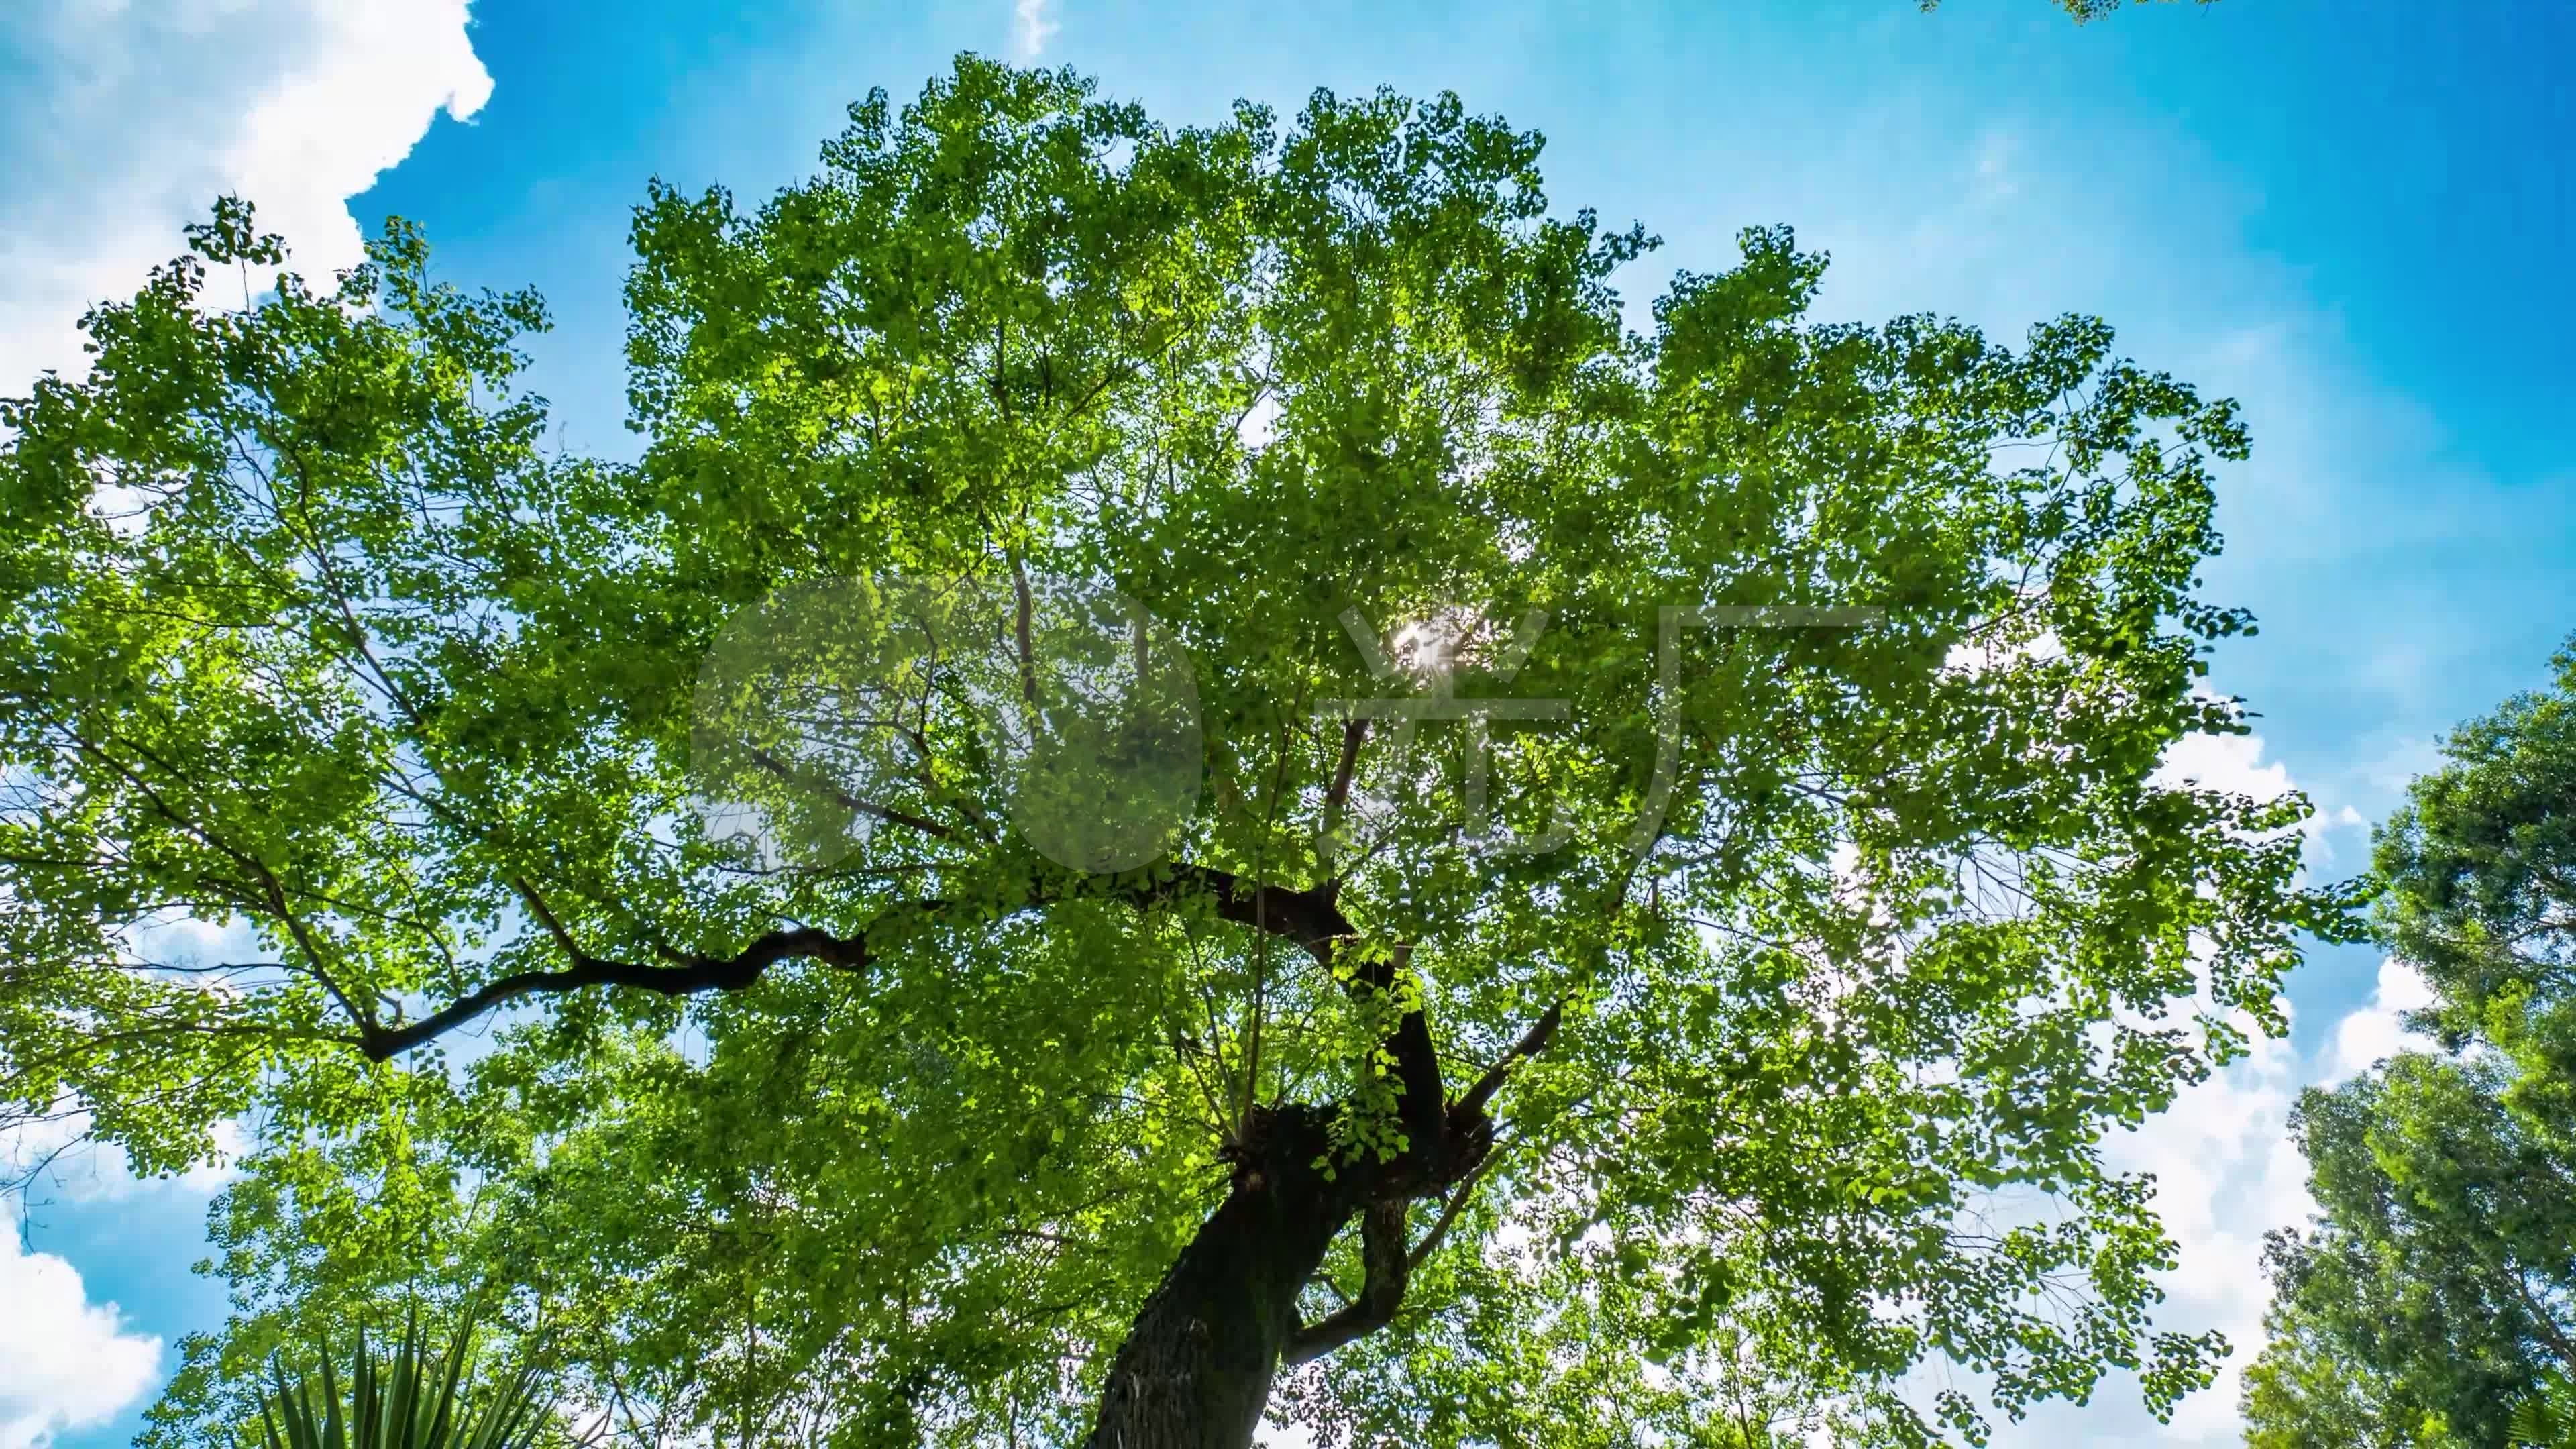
point(1119, 1024)
point(2436, 1292)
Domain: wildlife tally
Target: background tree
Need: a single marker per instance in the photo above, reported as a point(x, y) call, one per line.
point(2436, 1293)
point(1776, 1066)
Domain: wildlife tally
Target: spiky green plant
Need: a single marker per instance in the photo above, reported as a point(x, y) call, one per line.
point(408, 1403)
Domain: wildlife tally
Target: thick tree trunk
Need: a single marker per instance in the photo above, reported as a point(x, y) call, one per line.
point(1196, 1368)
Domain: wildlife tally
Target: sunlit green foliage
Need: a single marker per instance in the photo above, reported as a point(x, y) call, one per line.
point(309, 633)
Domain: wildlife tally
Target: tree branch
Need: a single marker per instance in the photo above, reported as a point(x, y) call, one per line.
point(1389, 1270)
point(1354, 733)
point(1307, 918)
point(1023, 608)
point(1449, 1210)
point(811, 780)
point(1532, 1042)
point(695, 974)
point(2543, 1321)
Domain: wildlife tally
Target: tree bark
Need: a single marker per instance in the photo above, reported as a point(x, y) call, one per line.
point(1196, 1368)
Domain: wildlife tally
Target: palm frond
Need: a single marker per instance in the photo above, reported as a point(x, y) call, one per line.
point(2544, 1417)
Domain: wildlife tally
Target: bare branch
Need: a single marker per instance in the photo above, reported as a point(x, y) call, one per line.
point(696, 974)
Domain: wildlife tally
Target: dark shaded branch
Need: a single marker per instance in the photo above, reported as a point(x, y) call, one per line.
point(1452, 1158)
point(2543, 1321)
point(1337, 796)
point(1306, 919)
point(1389, 1272)
point(545, 915)
point(1423, 1109)
point(693, 975)
point(1023, 607)
point(1457, 1203)
point(1313, 920)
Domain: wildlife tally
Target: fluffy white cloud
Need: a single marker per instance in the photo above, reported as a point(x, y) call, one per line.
point(71, 1168)
point(2006, 227)
point(2226, 1169)
point(2376, 1031)
point(2226, 1173)
point(2233, 763)
point(127, 120)
point(65, 1362)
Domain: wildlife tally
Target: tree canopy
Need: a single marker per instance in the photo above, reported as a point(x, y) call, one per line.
point(1693, 1006)
point(2435, 1296)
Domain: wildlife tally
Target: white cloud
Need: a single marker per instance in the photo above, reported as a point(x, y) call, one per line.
point(1260, 422)
point(2226, 1173)
point(2375, 1032)
point(2226, 1169)
point(67, 1166)
point(131, 119)
point(1032, 24)
point(76, 1170)
point(2233, 763)
point(65, 1362)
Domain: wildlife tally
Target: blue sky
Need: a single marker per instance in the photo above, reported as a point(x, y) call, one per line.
point(2351, 216)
